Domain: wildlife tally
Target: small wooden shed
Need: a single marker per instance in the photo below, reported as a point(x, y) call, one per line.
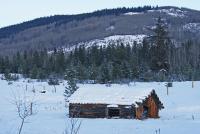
point(115, 103)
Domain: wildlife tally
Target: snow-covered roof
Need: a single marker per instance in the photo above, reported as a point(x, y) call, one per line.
point(109, 95)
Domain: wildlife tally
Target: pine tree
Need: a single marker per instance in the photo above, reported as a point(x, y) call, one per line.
point(104, 73)
point(34, 72)
point(159, 49)
point(71, 83)
point(7, 75)
point(60, 62)
point(93, 72)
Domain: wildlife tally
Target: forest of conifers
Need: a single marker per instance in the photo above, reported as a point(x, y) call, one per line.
point(157, 58)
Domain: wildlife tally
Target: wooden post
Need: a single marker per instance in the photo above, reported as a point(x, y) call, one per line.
point(33, 90)
point(167, 90)
point(31, 108)
point(192, 117)
point(192, 84)
point(54, 88)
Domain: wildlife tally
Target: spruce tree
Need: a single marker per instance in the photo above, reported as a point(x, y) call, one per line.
point(104, 74)
point(159, 49)
point(34, 72)
point(71, 83)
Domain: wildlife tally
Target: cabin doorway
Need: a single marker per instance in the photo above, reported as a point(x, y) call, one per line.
point(145, 112)
point(113, 112)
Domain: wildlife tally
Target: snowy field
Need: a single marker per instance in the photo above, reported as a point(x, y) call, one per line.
point(180, 116)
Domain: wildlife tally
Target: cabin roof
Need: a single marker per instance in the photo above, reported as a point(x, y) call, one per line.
point(110, 95)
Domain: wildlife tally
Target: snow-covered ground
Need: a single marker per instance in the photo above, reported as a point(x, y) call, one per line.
point(181, 114)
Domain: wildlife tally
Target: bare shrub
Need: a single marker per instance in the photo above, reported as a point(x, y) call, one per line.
point(24, 107)
point(73, 126)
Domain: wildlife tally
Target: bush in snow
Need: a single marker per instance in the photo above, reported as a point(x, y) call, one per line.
point(10, 77)
point(53, 81)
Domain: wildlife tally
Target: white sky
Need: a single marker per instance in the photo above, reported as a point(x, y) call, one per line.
point(16, 11)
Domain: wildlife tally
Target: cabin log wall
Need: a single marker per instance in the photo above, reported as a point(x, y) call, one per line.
point(152, 108)
point(139, 111)
point(98, 111)
point(87, 110)
point(127, 112)
point(150, 104)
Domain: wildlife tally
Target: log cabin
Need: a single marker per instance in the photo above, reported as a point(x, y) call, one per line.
point(115, 103)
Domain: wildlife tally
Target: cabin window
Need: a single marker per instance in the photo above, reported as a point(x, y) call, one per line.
point(113, 112)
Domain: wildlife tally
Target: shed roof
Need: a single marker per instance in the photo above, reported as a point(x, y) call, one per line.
point(110, 95)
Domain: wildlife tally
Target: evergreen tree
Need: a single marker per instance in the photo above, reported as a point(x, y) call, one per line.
point(93, 72)
point(104, 76)
point(159, 49)
point(60, 62)
point(7, 75)
point(34, 72)
point(71, 83)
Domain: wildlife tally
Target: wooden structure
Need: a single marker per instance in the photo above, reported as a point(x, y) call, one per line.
point(147, 106)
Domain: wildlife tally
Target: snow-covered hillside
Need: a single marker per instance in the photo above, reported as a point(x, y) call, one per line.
point(192, 27)
point(174, 12)
point(133, 13)
point(181, 114)
point(110, 40)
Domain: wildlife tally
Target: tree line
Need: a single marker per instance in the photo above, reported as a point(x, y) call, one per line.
point(157, 58)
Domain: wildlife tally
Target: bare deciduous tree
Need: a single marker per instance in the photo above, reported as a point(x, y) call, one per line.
point(73, 126)
point(24, 106)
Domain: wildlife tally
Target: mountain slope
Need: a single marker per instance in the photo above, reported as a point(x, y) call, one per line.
point(67, 31)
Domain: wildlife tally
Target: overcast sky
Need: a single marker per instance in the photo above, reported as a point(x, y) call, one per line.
point(16, 11)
